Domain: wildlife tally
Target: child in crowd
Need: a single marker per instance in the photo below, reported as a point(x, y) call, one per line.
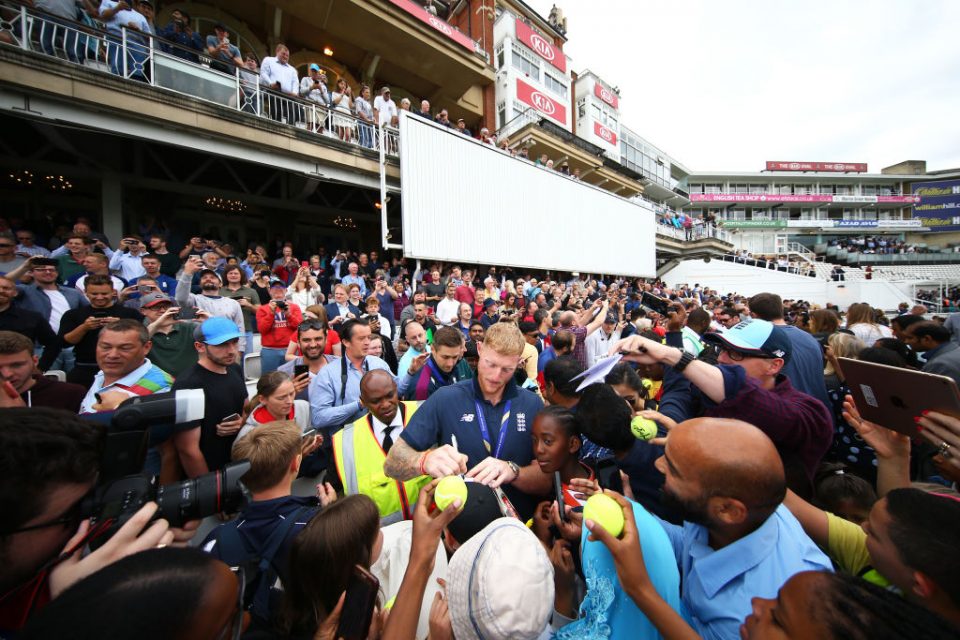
point(843, 493)
point(556, 446)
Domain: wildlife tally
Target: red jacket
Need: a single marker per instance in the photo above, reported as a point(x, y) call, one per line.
point(278, 329)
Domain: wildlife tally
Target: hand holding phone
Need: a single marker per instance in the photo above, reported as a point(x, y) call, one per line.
point(358, 605)
point(558, 494)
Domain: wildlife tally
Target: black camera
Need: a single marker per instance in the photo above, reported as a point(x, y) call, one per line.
point(121, 487)
point(282, 305)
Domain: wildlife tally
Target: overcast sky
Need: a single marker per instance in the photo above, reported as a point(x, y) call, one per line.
point(727, 85)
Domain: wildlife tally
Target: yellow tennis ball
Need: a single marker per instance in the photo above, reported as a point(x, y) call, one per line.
point(448, 490)
point(605, 511)
point(643, 428)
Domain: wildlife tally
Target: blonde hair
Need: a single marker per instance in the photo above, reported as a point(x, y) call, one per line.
point(504, 338)
point(843, 345)
point(270, 448)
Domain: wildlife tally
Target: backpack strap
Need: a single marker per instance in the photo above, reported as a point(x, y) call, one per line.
point(267, 567)
point(234, 545)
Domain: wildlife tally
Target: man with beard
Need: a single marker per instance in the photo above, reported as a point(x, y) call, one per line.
point(218, 374)
point(488, 418)
point(737, 541)
point(312, 340)
point(209, 299)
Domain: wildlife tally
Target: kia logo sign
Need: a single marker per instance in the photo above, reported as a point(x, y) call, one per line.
point(605, 134)
point(542, 47)
point(606, 95)
point(543, 103)
point(439, 25)
point(795, 166)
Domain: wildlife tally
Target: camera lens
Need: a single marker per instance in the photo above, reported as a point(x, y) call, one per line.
point(220, 491)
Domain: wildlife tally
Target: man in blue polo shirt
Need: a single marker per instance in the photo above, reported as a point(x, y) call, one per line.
point(482, 425)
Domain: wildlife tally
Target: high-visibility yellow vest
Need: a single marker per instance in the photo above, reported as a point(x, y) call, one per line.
point(359, 459)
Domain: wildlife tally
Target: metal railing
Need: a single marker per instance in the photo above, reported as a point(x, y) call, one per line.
point(143, 57)
point(773, 265)
point(517, 122)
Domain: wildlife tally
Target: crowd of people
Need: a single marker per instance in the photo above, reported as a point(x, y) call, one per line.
point(775, 262)
point(764, 504)
point(880, 245)
point(269, 84)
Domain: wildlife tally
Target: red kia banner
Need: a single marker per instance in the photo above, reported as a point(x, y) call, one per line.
point(421, 14)
point(602, 132)
point(541, 46)
point(541, 102)
point(607, 96)
point(845, 167)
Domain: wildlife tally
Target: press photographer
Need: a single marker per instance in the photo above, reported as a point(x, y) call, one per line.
point(72, 485)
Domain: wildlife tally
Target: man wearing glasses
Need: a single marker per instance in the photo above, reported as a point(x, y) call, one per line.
point(51, 463)
point(747, 384)
point(48, 299)
point(26, 246)
point(478, 427)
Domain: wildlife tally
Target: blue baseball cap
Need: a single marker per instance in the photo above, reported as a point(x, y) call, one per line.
point(216, 331)
point(314, 67)
point(757, 338)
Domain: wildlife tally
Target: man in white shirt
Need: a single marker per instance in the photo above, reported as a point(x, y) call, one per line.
point(126, 262)
point(598, 343)
point(117, 16)
point(276, 73)
point(385, 109)
point(449, 307)
point(26, 246)
point(313, 87)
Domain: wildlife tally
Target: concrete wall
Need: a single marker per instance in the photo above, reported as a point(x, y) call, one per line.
point(727, 277)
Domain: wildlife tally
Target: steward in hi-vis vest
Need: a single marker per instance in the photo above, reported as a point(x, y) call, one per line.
point(359, 458)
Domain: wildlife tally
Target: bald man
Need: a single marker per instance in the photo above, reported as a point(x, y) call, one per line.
point(737, 540)
point(360, 450)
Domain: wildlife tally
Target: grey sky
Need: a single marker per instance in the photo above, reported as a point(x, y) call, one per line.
point(727, 85)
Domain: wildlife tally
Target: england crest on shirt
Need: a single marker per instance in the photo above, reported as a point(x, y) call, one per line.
point(521, 422)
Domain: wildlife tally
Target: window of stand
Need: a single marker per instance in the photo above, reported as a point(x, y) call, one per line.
point(555, 85)
point(525, 62)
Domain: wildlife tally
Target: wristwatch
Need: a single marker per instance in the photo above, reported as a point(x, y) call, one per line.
point(515, 468)
point(685, 358)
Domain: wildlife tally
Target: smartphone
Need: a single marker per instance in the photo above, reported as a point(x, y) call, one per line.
point(300, 369)
point(358, 605)
point(232, 416)
point(305, 264)
point(309, 433)
point(558, 493)
point(655, 303)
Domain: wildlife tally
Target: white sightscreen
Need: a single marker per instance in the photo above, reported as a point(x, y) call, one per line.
point(467, 202)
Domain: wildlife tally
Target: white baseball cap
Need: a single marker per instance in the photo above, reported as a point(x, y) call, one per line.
point(500, 584)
